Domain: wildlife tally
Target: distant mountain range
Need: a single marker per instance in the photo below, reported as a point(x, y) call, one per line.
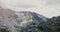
point(13, 20)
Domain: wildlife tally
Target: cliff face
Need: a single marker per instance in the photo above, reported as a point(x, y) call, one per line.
point(8, 19)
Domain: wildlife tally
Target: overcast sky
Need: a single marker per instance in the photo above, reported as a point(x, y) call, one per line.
point(47, 8)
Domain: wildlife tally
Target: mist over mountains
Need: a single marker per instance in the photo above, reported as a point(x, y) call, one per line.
point(48, 8)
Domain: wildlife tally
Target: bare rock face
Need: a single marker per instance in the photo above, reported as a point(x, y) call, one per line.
point(8, 19)
point(27, 17)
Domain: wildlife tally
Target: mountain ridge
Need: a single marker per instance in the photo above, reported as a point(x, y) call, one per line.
point(27, 17)
point(11, 20)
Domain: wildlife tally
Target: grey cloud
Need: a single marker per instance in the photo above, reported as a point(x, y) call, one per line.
point(52, 1)
point(25, 6)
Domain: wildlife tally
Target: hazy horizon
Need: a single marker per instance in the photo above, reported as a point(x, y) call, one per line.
point(47, 8)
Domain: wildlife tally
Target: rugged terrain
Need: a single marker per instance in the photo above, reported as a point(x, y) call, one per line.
point(14, 21)
point(7, 19)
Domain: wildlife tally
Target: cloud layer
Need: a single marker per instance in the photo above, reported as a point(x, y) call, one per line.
point(47, 8)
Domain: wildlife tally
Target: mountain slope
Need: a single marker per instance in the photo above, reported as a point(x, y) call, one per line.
point(29, 20)
point(7, 19)
point(14, 22)
point(52, 25)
